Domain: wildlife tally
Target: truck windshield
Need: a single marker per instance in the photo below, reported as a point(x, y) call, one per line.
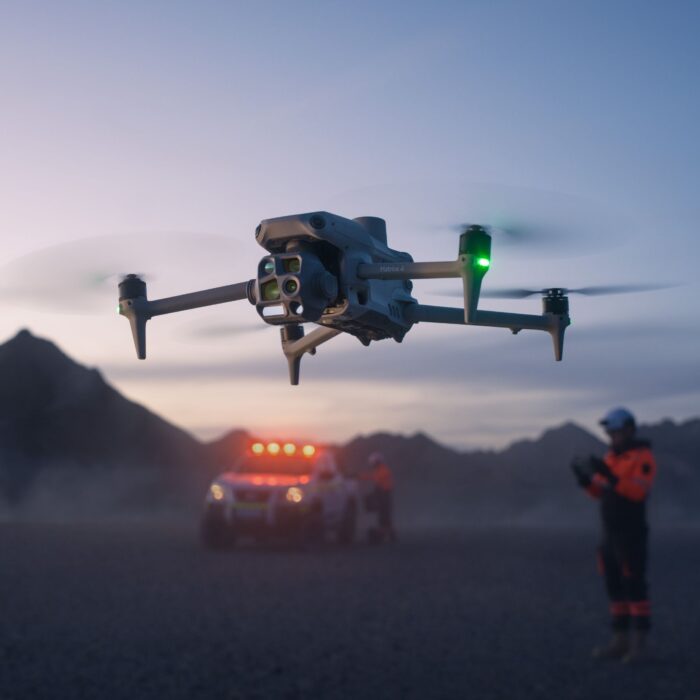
point(290, 466)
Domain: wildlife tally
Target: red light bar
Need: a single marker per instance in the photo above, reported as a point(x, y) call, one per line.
point(288, 448)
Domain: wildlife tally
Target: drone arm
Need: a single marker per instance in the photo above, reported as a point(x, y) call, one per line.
point(410, 271)
point(135, 306)
point(207, 297)
point(554, 324)
point(295, 344)
point(445, 314)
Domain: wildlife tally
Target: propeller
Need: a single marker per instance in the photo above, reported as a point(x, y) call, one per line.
point(605, 290)
point(526, 219)
point(518, 235)
point(81, 276)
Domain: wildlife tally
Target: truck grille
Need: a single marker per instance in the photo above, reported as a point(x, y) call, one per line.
point(252, 495)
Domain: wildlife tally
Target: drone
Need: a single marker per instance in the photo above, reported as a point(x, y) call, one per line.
point(341, 275)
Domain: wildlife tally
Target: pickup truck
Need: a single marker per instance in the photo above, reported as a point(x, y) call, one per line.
point(282, 490)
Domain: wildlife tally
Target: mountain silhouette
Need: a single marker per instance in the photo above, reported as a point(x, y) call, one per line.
point(222, 453)
point(71, 443)
point(528, 482)
point(58, 416)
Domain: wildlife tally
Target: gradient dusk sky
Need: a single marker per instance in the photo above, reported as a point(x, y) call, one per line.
point(152, 117)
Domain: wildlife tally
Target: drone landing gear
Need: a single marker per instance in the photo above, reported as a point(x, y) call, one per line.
point(135, 305)
point(295, 344)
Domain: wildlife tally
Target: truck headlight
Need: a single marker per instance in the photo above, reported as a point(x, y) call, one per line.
point(217, 493)
point(294, 495)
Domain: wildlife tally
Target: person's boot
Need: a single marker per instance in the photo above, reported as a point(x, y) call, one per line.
point(617, 648)
point(637, 647)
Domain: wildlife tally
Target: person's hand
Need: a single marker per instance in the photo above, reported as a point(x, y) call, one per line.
point(581, 473)
point(600, 467)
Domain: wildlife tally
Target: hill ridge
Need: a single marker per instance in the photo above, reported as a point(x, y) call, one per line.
point(63, 425)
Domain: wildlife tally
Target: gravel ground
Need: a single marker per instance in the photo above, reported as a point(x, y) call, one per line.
point(141, 611)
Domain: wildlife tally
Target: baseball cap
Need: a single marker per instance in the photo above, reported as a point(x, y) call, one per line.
point(617, 418)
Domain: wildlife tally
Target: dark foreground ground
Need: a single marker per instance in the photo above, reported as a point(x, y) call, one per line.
point(129, 611)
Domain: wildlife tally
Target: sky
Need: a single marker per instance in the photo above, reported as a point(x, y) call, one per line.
point(168, 130)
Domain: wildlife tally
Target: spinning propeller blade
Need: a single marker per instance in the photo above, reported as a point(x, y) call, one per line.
point(517, 293)
point(532, 220)
point(618, 289)
point(81, 276)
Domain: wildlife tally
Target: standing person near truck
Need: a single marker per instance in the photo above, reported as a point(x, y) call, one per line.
point(382, 495)
point(622, 482)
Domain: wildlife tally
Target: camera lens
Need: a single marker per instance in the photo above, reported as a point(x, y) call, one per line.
point(292, 265)
point(291, 286)
point(270, 291)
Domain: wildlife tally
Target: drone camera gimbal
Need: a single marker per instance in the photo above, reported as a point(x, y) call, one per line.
point(294, 287)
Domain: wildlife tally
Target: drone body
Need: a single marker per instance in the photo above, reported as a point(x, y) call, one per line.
point(325, 252)
point(340, 274)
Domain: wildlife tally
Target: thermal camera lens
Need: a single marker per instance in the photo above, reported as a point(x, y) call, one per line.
point(292, 265)
point(291, 286)
point(269, 267)
point(270, 291)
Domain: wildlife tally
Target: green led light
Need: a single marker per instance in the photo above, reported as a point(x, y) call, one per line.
point(483, 262)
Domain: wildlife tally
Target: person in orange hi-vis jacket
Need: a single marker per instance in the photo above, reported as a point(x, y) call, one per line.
point(622, 482)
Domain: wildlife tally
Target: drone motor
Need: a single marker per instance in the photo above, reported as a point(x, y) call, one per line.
point(555, 301)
